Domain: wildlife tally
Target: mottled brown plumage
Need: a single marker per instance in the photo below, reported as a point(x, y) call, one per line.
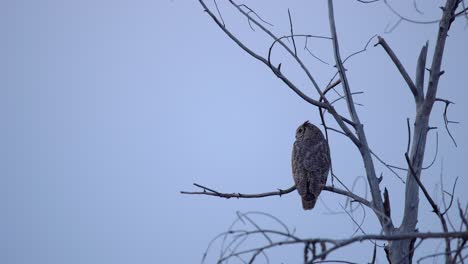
point(310, 163)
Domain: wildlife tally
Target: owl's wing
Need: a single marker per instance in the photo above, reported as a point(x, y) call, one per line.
point(317, 161)
point(299, 172)
point(310, 165)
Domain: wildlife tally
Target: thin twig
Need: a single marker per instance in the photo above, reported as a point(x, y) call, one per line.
point(459, 250)
point(451, 197)
point(389, 29)
point(292, 32)
point(368, 1)
point(219, 13)
point(409, 135)
point(435, 155)
point(389, 166)
point(360, 51)
point(408, 19)
point(463, 12)
point(415, 5)
point(255, 13)
point(446, 120)
point(312, 54)
point(439, 254)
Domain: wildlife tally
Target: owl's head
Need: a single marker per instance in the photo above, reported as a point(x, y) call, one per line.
point(307, 131)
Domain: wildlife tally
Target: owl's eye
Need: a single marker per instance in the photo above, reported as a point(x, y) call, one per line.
point(300, 130)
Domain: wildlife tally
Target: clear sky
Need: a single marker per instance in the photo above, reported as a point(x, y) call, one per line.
point(109, 108)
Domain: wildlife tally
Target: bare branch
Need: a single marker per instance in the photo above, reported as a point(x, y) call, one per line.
point(441, 253)
point(291, 36)
point(211, 192)
point(339, 119)
point(434, 206)
point(459, 250)
point(269, 33)
point(446, 120)
point(292, 33)
point(407, 19)
point(331, 86)
point(367, 1)
point(276, 71)
point(344, 97)
point(389, 29)
point(462, 216)
point(415, 5)
point(451, 197)
point(358, 225)
point(255, 13)
point(420, 70)
point(374, 255)
point(363, 146)
point(409, 135)
point(399, 66)
point(337, 243)
point(463, 12)
point(312, 54)
point(360, 51)
point(444, 26)
point(219, 13)
point(435, 155)
point(443, 193)
point(389, 166)
point(280, 192)
point(339, 64)
point(335, 260)
point(387, 206)
point(350, 194)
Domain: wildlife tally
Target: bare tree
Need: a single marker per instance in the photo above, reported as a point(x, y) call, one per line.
point(405, 238)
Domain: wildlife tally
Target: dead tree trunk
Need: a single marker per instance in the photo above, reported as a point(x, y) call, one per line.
point(401, 251)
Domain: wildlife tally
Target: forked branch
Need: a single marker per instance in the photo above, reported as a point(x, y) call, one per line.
point(400, 67)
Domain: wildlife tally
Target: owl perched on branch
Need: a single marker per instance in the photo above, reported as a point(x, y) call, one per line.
point(310, 163)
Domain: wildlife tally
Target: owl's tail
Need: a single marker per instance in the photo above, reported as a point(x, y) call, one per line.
point(308, 202)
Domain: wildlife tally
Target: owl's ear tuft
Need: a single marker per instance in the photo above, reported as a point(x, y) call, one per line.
point(306, 122)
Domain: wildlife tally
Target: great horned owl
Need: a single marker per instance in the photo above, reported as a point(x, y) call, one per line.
point(310, 163)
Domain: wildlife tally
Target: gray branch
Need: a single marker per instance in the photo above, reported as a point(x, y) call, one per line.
point(400, 67)
point(280, 192)
point(364, 149)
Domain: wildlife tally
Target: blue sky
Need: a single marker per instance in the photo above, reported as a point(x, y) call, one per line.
point(109, 108)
